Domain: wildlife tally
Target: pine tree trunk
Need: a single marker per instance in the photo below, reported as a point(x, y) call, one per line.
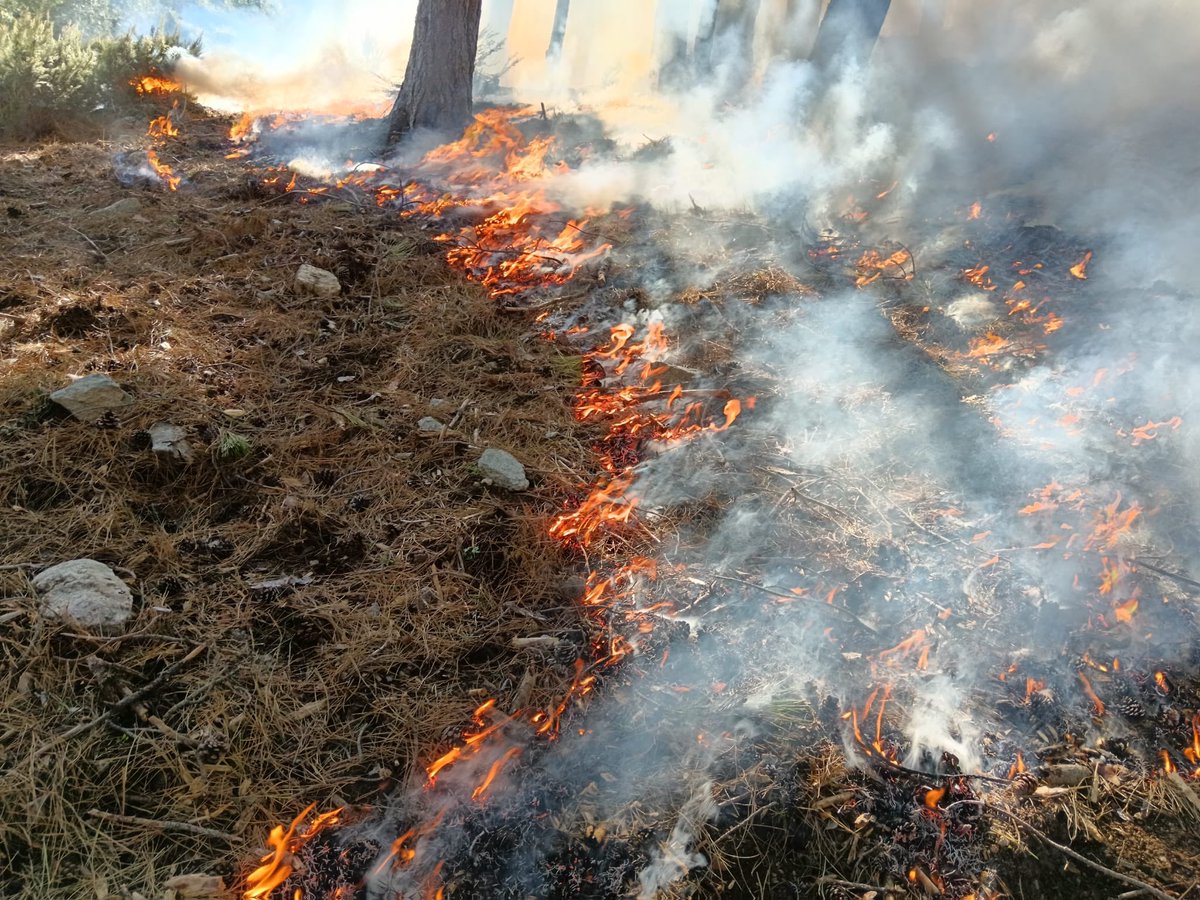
point(436, 92)
point(561, 11)
point(849, 31)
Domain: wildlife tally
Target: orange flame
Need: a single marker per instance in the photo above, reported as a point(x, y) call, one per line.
point(1079, 270)
point(278, 864)
point(164, 172)
point(933, 797)
point(155, 84)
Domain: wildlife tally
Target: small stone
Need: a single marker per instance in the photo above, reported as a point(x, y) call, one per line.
point(122, 209)
point(169, 442)
point(503, 470)
point(318, 282)
point(429, 425)
point(90, 398)
point(85, 591)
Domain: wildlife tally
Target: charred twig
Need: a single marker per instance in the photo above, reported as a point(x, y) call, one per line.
point(123, 703)
point(164, 826)
point(1174, 576)
point(813, 601)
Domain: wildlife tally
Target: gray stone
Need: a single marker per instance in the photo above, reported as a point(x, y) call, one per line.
point(503, 470)
point(88, 399)
point(122, 209)
point(85, 591)
point(429, 425)
point(169, 442)
point(317, 282)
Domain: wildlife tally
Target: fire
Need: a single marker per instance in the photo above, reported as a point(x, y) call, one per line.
point(1079, 270)
point(1149, 431)
point(987, 346)
point(1193, 752)
point(1124, 611)
point(1168, 766)
point(1032, 686)
point(155, 84)
point(1018, 767)
point(163, 126)
point(164, 172)
point(933, 797)
point(978, 276)
point(1160, 681)
point(1111, 524)
point(279, 864)
point(976, 210)
point(1097, 703)
point(873, 265)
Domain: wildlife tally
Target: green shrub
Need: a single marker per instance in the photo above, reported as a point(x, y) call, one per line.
point(50, 73)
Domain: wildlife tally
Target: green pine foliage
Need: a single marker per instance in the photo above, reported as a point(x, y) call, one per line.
point(51, 73)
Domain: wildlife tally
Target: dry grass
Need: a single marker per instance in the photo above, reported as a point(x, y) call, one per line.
point(308, 463)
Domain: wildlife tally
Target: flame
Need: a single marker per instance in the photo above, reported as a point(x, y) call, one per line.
point(976, 211)
point(1018, 767)
point(163, 126)
point(1097, 703)
point(1079, 270)
point(1032, 686)
point(1193, 752)
point(1149, 431)
point(155, 84)
point(164, 172)
point(978, 276)
point(1160, 681)
point(1168, 766)
point(933, 797)
point(278, 864)
point(1124, 611)
point(873, 265)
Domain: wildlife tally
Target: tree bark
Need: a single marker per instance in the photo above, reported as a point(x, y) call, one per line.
point(730, 33)
point(436, 92)
point(849, 31)
point(561, 11)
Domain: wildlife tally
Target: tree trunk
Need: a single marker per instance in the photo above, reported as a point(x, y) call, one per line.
point(849, 31)
point(729, 38)
point(561, 11)
point(436, 92)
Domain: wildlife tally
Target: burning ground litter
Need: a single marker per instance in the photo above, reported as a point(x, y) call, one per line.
point(809, 653)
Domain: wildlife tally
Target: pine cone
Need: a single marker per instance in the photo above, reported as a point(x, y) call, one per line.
point(1130, 708)
point(1024, 784)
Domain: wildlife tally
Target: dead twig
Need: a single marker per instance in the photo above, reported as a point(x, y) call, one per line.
point(164, 826)
point(123, 703)
point(1077, 857)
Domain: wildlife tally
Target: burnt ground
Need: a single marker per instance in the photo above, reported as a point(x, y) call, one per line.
point(399, 578)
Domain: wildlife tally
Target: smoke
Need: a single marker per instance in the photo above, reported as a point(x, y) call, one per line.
point(964, 471)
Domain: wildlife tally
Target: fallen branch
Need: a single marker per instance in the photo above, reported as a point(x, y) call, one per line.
point(813, 601)
point(1077, 857)
point(123, 703)
point(164, 826)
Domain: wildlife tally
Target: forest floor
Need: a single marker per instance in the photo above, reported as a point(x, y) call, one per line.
point(343, 585)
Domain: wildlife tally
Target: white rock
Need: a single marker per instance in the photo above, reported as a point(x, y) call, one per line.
point(122, 209)
point(169, 441)
point(318, 282)
point(85, 591)
point(90, 398)
point(972, 312)
point(503, 470)
point(429, 425)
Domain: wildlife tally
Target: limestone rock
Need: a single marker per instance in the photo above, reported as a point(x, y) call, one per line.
point(317, 282)
point(85, 591)
point(169, 442)
point(503, 470)
point(122, 209)
point(88, 399)
point(429, 425)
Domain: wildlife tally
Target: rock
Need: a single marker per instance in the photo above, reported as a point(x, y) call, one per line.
point(90, 398)
point(169, 442)
point(122, 209)
point(318, 282)
point(429, 425)
point(503, 470)
point(196, 887)
point(973, 311)
point(85, 591)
